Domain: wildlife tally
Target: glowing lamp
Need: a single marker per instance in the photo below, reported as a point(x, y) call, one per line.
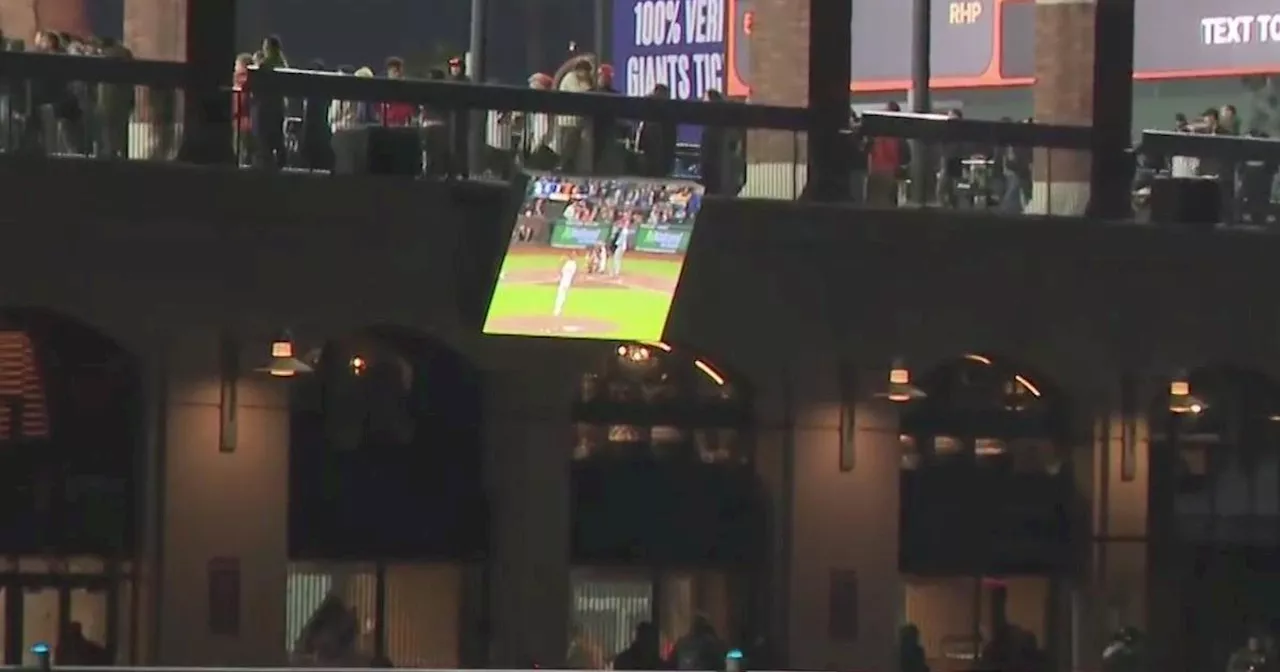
point(900, 390)
point(283, 363)
point(1181, 401)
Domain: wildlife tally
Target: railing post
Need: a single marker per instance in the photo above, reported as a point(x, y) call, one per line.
point(211, 45)
point(1110, 174)
point(830, 73)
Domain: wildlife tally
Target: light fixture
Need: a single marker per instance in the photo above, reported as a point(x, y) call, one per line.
point(1181, 401)
point(359, 365)
point(283, 363)
point(900, 389)
point(634, 353)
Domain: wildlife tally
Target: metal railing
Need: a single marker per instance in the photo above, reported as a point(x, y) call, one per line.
point(141, 110)
point(1244, 168)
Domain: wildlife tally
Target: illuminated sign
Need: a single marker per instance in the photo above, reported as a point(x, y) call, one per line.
point(991, 43)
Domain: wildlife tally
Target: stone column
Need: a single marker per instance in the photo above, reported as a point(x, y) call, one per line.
point(20, 19)
point(224, 510)
point(1063, 94)
point(776, 160)
point(529, 437)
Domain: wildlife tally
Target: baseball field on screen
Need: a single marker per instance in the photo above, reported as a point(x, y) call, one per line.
point(633, 305)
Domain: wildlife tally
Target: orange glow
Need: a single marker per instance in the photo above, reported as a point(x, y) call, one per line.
point(1179, 388)
point(22, 386)
point(359, 365)
point(1025, 382)
point(899, 376)
point(282, 349)
point(710, 372)
point(282, 373)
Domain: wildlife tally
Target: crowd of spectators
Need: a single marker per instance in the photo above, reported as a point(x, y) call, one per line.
point(82, 118)
point(1246, 189)
point(335, 135)
point(316, 134)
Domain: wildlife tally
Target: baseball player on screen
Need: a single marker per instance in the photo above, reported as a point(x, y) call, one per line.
point(568, 269)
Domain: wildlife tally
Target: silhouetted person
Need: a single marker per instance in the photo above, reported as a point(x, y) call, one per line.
point(700, 648)
point(656, 141)
point(76, 649)
point(268, 111)
point(642, 654)
point(910, 654)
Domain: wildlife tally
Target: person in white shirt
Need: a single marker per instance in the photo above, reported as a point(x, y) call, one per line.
point(568, 269)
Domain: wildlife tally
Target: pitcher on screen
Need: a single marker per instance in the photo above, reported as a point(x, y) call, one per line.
point(568, 269)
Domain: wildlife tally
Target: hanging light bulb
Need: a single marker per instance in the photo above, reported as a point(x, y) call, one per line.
point(283, 363)
point(1181, 401)
point(900, 389)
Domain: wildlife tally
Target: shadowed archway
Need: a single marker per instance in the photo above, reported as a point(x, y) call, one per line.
point(387, 509)
point(71, 450)
point(987, 505)
point(1214, 503)
point(989, 409)
point(668, 514)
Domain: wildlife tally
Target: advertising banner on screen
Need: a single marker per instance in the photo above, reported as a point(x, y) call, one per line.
point(594, 257)
point(577, 235)
point(663, 239)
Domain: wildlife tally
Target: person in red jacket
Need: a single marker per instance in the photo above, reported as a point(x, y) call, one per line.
point(398, 113)
point(885, 159)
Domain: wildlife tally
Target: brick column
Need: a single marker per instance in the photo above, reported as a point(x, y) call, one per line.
point(20, 19)
point(1063, 94)
point(776, 160)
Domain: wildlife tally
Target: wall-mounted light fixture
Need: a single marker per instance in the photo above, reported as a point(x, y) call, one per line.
point(283, 362)
point(900, 390)
point(1181, 400)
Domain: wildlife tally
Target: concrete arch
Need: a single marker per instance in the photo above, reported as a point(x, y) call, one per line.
point(701, 375)
point(71, 409)
point(65, 328)
point(990, 395)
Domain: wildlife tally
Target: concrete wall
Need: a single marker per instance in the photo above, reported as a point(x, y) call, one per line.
point(165, 259)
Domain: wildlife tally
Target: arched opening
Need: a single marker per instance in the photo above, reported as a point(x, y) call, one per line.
point(668, 514)
point(984, 523)
point(388, 518)
point(71, 408)
point(1215, 496)
point(983, 411)
point(650, 401)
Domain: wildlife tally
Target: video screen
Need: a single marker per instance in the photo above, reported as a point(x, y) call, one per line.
point(594, 257)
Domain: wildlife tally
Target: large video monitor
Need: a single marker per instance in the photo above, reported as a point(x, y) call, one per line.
point(594, 257)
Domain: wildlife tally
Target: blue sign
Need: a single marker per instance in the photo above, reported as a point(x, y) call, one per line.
point(680, 43)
